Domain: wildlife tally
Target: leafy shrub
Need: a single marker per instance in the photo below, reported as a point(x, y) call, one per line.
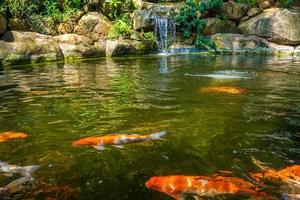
point(286, 3)
point(119, 7)
point(120, 28)
point(20, 8)
point(251, 3)
point(189, 21)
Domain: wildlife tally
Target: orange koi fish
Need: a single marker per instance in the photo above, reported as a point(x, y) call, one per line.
point(10, 135)
point(225, 89)
point(288, 174)
point(177, 186)
point(117, 140)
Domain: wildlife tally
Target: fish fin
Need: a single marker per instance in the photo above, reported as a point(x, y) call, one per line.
point(119, 146)
point(177, 196)
point(157, 136)
point(99, 147)
point(28, 170)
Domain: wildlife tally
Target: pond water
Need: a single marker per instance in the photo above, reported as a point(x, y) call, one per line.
point(59, 103)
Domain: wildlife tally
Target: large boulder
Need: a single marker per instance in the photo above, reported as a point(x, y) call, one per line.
point(128, 47)
point(278, 25)
point(143, 19)
point(235, 43)
point(93, 25)
point(3, 23)
point(72, 51)
point(79, 46)
point(234, 11)
point(22, 47)
point(74, 39)
point(216, 25)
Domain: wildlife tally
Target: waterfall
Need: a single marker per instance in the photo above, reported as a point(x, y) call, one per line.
point(165, 33)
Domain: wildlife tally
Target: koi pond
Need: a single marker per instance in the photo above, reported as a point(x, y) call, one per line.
point(236, 114)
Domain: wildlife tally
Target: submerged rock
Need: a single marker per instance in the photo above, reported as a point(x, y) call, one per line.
point(28, 46)
point(278, 25)
point(235, 43)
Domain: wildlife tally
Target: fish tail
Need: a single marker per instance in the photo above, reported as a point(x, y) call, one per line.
point(28, 170)
point(158, 135)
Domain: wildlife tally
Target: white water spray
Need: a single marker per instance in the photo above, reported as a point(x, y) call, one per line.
point(165, 33)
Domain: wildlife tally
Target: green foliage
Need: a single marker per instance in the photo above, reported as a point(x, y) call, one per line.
point(188, 19)
point(149, 36)
point(20, 8)
point(119, 7)
point(286, 3)
point(251, 3)
point(203, 43)
point(120, 28)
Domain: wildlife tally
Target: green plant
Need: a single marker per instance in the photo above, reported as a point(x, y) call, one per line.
point(251, 3)
point(120, 28)
point(286, 3)
point(203, 43)
point(188, 20)
point(52, 10)
point(20, 8)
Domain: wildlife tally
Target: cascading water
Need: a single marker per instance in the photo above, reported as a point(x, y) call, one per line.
point(165, 33)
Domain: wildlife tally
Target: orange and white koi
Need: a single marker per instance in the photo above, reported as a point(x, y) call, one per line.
point(10, 135)
point(288, 175)
point(225, 89)
point(178, 186)
point(117, 140)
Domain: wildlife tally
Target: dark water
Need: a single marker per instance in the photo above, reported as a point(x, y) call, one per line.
point(59, 103)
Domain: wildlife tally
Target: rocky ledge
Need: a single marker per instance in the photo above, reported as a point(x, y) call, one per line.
point(241, 44)
point(30, 47)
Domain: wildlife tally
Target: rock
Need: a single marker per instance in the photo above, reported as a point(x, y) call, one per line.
point(64, 28)
point(18, 24)
point(22, 47)
point(72, 51)
point(79, 46)
point(74, 39)
point(216, 25)
point(143, 19)
point(277, 25)
point(265, 4)
point(93, 25)
point(245, 18)
point(3, 23)
point(297, 51)
point(254, 11)
point(235, 43)
point(128, 47)
point(234, 11)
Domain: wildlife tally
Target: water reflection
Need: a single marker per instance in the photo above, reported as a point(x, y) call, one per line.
point(207, 132)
